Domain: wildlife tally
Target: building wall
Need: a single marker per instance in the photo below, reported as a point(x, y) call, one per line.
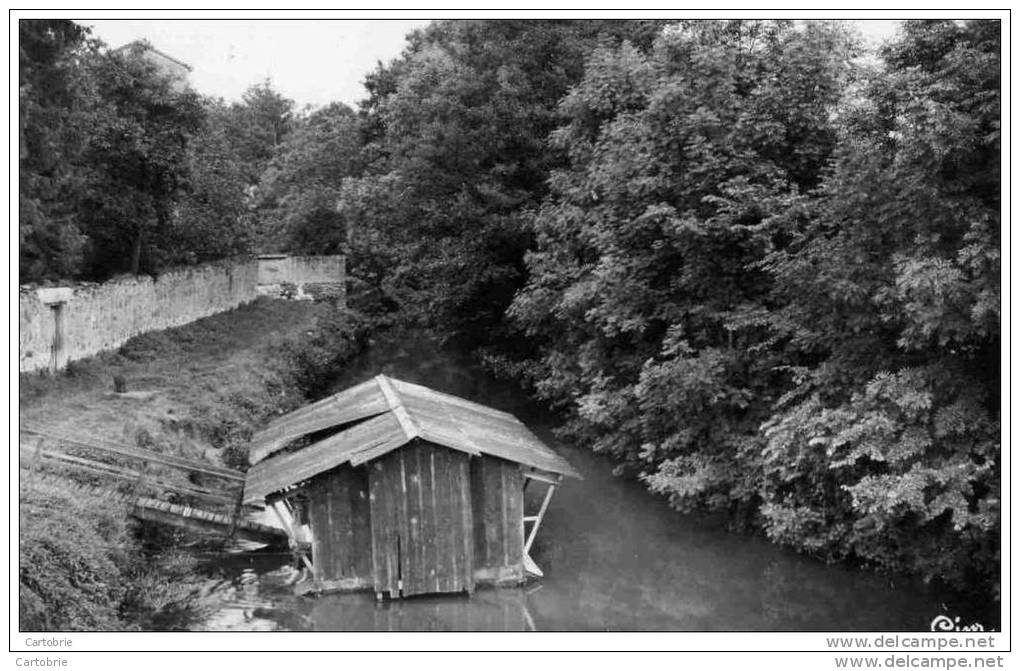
point(497, 499)
point(301, 270)
point(430, 517)
point(166, 66)
point(100, 317)
point(338, 514)
point(421, 521)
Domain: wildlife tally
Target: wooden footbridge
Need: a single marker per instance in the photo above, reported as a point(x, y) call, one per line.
point(145, 478)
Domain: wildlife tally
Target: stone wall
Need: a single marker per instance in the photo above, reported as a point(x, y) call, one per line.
point(306, 275)
point(277, 269)
point(62, 325)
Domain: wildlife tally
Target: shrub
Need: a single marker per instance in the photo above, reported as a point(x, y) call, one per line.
point(315, 361)
point(73, 552)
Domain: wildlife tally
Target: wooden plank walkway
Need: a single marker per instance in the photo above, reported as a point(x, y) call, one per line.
point(154, 510)
point(78, 453)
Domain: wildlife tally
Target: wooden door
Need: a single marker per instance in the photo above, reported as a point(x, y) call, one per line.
point(497, 502)
point(339, 517)
point(422, 539)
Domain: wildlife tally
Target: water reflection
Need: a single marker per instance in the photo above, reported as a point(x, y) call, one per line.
point(486, 610)
point(614, 557)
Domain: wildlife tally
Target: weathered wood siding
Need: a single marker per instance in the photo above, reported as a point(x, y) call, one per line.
point(338, 510)
point(421, 521)
point(497, 492)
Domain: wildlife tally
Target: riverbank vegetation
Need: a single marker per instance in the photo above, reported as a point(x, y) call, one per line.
point(754, 262)
point(197, 391)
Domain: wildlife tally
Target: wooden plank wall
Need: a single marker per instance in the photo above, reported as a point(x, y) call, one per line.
point(497, 491)
point(338, 509)
point(421, 521)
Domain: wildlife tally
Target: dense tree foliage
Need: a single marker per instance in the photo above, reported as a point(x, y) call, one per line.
point(760, 272)
point(886, 445)
point(139, 151)
point(122, 169)
point(51, 143)
point(256, 126)
point(770, 285)
point(455, 151)
point(300, 188)
point(215, 219)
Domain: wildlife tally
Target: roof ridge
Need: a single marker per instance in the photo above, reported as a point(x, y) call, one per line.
point(410, 427)
point(146, 44)
point(456, 400)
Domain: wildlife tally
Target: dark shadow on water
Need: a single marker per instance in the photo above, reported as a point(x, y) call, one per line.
point(614, 556)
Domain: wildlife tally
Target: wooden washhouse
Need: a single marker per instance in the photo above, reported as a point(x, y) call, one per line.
point(404, 490)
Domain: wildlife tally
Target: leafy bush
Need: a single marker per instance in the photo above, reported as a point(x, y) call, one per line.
point(82, 568)
point(769, 284)
point(313, 362)
point(73, 552)
point(165, 594)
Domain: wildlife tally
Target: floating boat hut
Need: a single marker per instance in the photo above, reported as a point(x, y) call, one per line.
point(404, 490)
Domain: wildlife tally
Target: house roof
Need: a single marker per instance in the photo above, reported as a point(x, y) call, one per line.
point(147, 46)
point(397, 412)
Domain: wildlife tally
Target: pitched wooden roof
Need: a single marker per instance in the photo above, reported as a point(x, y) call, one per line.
point(399, 412)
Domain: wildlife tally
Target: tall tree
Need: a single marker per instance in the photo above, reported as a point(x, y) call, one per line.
point(258, 125)
point(300, 188)
point(888, 447)
point(456, 151)
point(646, 295)
point(215, 218)
point(54, 117)
point(140, 146)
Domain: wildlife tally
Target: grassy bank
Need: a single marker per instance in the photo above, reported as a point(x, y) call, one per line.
point(193, 390)
point(196, 391)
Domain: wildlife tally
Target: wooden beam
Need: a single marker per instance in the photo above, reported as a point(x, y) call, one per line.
point(283, 521)
point(538, 518)
point(543, 477)
point(128, 474)
point(36, 457)
point(138, 453)
point(388, 392)
point(172, 513)
point(238, 511)
point(291, 527)
point(411, 429)
point(199, 521)
point(531, 567)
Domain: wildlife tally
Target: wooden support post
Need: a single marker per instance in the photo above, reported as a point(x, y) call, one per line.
point(235, 518)
point(36, 458)
point(283, 521)
point(529, 623)
point(538, 518)
point(291, 531)
point(295, 507)
point(143, 477)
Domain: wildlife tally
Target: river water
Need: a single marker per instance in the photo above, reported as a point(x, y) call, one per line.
point(614, 556)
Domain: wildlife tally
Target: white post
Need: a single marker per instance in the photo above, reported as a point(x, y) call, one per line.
point(538, 518)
